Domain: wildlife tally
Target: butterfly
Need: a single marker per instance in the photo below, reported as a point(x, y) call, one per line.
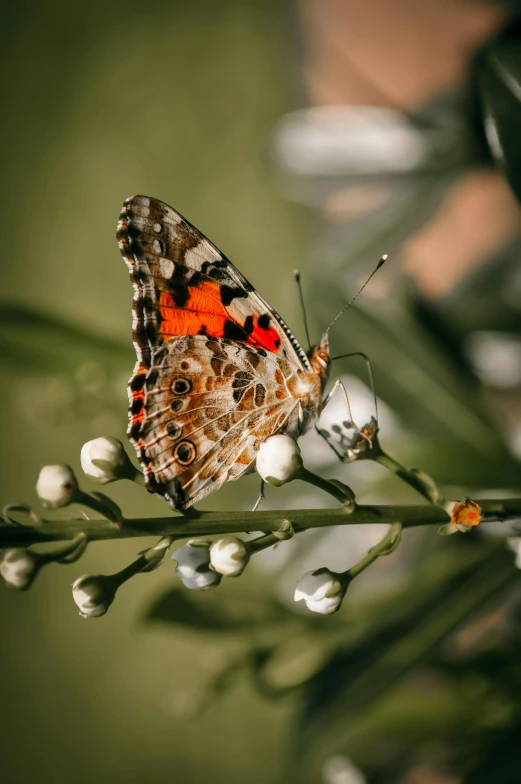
point(218, 371)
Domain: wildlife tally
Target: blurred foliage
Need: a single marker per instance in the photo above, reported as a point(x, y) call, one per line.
point(425, 674)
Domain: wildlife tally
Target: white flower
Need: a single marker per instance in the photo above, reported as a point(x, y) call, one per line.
point(104, 459)
point(193, 565)
point(56, 486)
point(19, 567)
point(229, 556)
point(94, 594)
point(279, 460)
point(321, 590)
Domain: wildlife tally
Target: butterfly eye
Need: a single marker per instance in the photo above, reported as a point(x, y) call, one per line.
point(185, 452)
point(181, 386)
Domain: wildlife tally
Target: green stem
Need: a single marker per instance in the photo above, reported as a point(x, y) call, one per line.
point(138, 478)
point(215, 523)
point(416, 479)
point(68, 552)
point(338, 490)
point(97, 504)
point(385, 546)
point(262, 543)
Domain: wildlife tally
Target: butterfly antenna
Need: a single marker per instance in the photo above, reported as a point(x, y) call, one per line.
point(380, 263)
point(369, 373)
point(296, 274)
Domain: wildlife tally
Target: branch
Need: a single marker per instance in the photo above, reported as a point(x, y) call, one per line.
point(213, 523)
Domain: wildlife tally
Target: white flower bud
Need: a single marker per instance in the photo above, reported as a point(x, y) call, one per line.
point(104, 459)
point(193, 565)
point(19, 567)
point(56, 486)
point(229, 556)
point(321, 590)
point(279, 460)
point(94, 594)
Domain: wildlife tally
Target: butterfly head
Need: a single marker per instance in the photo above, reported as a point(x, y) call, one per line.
point(320, 358)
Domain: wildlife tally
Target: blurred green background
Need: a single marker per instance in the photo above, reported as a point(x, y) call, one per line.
point(100, 102)
point(183, 101)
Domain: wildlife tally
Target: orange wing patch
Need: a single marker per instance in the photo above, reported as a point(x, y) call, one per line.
point(204, 313)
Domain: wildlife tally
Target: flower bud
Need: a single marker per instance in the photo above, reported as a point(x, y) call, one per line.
point(321, 590)
point(56, 486)
point(104, 459)
point(229, 556)
point(94, 594)
point(279, 460)
point(19, 567)
point(465, 515)
point(193, 565)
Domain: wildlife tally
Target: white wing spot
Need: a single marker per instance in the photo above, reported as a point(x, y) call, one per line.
point(157, 227)
point(167, 267)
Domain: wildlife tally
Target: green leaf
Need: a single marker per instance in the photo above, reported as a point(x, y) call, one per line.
point(295, 660)
point(499, 77)
point(225, 609)
point(34, 342)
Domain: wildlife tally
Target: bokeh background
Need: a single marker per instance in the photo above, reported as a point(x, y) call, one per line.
point(316, 134)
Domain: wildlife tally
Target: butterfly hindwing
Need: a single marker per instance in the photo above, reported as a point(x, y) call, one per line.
point(204, 410)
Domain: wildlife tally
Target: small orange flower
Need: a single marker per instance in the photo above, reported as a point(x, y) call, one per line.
point(465, 515)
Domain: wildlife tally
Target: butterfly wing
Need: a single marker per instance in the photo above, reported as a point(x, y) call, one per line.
point(214, 359)
point(183, 285)
point(200, 413)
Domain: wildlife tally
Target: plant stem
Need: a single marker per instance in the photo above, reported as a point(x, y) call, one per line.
point(212, 523)
point(384, 547)
point(416, 479)
point(338, 490)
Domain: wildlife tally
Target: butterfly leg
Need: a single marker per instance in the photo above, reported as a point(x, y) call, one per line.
point(324, 434)
point(260, 499)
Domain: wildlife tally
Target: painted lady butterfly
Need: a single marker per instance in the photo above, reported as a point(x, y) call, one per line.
point(218, 371)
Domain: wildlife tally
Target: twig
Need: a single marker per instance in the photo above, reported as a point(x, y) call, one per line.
point(214, 523)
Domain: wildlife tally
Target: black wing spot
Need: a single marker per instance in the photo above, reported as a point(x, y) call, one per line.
point(179, 292)
point(173, 429)
point(248, 325)
point(137, 405)
point(185, 453)
point(152, 377)
point(135, 431)
point(260, 395)
point(176, 405)
point(151, 332)
point(181, 386)
point(229, 293)
point(238, 393)
point(137, 383)
point(233, 331)
point(264, 321)
point(242, 379)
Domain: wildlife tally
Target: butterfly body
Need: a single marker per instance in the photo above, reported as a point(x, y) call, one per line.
point(217, 370)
